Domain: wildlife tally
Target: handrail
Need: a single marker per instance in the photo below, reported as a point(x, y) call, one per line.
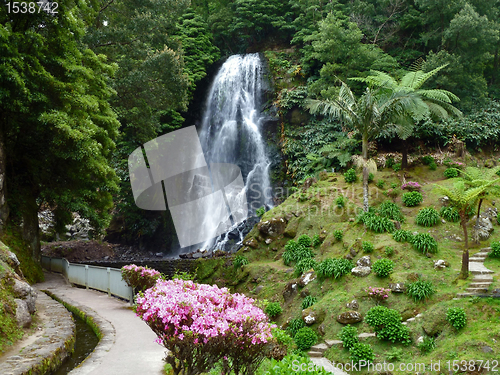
point(105, 279)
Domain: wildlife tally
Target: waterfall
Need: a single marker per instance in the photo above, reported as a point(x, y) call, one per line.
point(231, 130)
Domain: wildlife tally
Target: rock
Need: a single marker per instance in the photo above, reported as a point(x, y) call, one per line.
point(353, 305)
point(291, 228)
point(397, 225)
point(24, 291)
point(482, 231)
point(434, 321)
point(290, 290)
point(349, 317)
point(454, 237)
point(444, 200)
point(349, 257)
point(309, 318)
point(272, 228)
point(304, 293)
point(307, 277)
point(23, 316)
point(322, 329)
point(353, 252)
point(361, 271)
point(440, 264)
point(268, 241)
point(197, 255)
point(428, 255)
point(258, 289)
point(313, 315)
point(364, 261)
point(420, 340)
point(397, 287)
point(252, 242)
point(413, 276)
point(443, 221)
point(486, 349)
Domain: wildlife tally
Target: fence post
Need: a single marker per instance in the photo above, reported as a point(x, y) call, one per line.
point(109, 281)
point(86, 276)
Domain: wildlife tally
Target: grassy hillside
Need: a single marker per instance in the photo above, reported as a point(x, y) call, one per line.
point(313, 211)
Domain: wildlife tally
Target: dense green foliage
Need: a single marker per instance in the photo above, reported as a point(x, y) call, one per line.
point(308, 301)
point(424, 243)
point(333, 268)
point(305, 338)
point(420, 290)
point(412, 198)
point(349, 336)
point(387, 324)
point(367, 247)
point(273, 309)
point(295, 252)
point(449, 214)
point(350, 176)
point(391, 211)
point(304, 265)
point(240, 261)
point(383, 267)
point(427, 217)
point(402, 235)
point(457, 317)
point(495, 249)
point(361, 352)
point(294, 325)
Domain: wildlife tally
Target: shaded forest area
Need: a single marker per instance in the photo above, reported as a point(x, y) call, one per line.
point(81, 89)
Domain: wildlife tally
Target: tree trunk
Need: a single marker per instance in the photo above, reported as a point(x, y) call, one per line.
point(404, 154)
point(31, 231)
point(4, 208)
point(365, 172)
point(464, 273)
point(478, 211)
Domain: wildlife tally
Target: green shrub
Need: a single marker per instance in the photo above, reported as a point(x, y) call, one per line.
point(304, 240)
point(428, 345)
point(433, 166)
point(294, 364)
point(361, 352)
point(390, 210)
point(304, 265)
point(456, 317)
point(240, 261)
point(450, 214)
point(427, 160)
point(316, 240)
point(350, 176)
point(333, 268)
point(380, 184)
point(338, 234)
point(295, 252)
point(387, 325)
point(402, 235)
point(260, 211)
point(395, 355)
point(396, 167)
point(305, 338)
point(495, 249)
point(427, 217)
point(389, 251)
point(367, 246)
point(424, 243)
point(294, 325)
point(389, 162)
point(394, 185)
point(383, 267)
point(340, 201)
point(273, 309)
point(412, 198)
point(420, 290)
point(371, 177)
point(308, 302)
point(349, 336)
point(451, 173)
point(376, 223)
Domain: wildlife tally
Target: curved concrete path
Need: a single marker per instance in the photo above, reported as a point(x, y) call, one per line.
point(128, 347)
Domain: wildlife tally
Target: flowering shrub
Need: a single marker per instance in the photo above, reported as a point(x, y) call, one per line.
point(201, 325)
point(411, 186)
point(378, 294)
point(453, 164)
point(138, 277)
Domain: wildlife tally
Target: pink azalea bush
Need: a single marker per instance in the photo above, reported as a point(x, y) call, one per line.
point(138, 277)
point(201, 325)
point(411, 186)
point(378, 294)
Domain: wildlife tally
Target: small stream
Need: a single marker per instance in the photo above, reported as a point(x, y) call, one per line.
point(86, 341)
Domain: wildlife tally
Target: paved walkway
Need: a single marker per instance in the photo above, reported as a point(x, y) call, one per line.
point(129, 346)
point(482, 276)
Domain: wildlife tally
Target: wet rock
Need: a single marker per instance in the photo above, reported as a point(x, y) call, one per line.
point(291, 228)
point(290, 291)
point(252, 242)
point(361, 271)
point(272, 228)
point(364, 261)
point(23, 316)
point(490, 213)
point(313, 315)
point(481, 231)
point(397, 287)
point(349, 317)
point(353, 305)
point(307, 277)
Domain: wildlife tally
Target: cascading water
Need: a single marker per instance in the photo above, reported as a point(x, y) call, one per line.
point(231, 131)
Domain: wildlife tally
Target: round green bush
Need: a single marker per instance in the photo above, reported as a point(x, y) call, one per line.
point(450, 214)
point(383, 267)
point(273, 309)
point(333, 268)
point(402, 235)
point(387, 324)
point(456, 317)
point(427, 160)
point(412, 198)
point(294, 325)
point(308, 302)
point(427, 217)
point(304, 265)
point(367, 246)
point(349, 336)
point(305, 338)
point(389, 251)
point(316, 240)
point(390, 210)
point(340, 201)
point(295, 252)
point(380, 184)
point(304, 240)
point(338, 234)
point(428, 345)
point(350, 176)
point(420, 290)
point(433, 166)
point(371, 177)
point(361, 352)
point(451, 173)
point(495, 249)
point(240, 261)
point(376, 223)
point(424, 243)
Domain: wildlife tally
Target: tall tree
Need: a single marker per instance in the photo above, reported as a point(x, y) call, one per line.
point(368, 115)
point(55, 120)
